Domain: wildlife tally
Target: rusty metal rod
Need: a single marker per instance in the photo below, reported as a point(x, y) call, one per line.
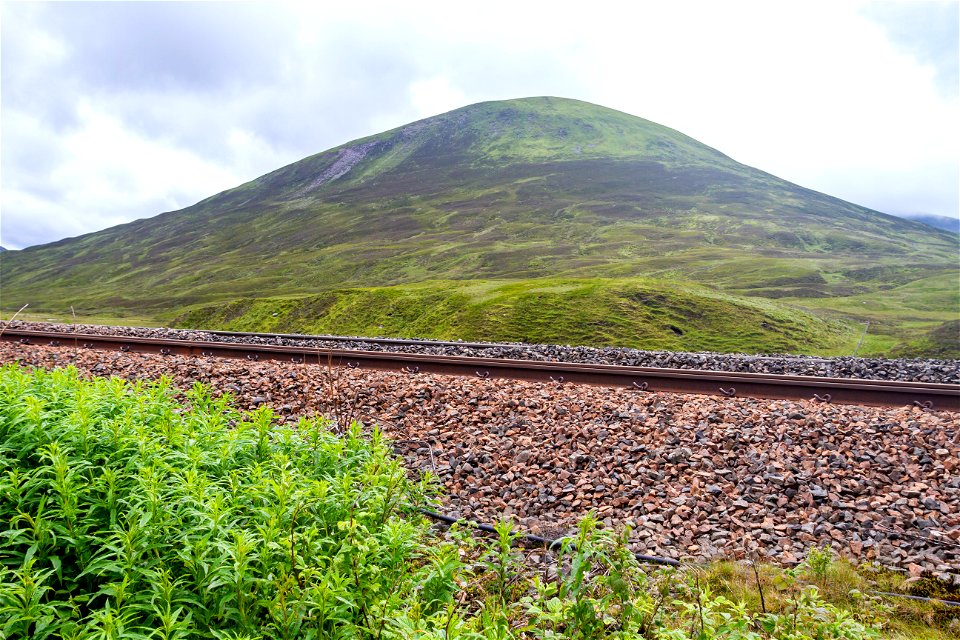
point(730, 384)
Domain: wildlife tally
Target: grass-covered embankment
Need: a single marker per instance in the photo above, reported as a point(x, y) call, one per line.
point(640, 313)
point(129, 514)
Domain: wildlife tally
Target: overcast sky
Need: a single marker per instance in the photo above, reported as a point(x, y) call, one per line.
point(123, 110)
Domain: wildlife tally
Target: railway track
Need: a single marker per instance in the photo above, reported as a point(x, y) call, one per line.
point(836, 390)
point(395, 342)
point(941, 371)
point(422, 342)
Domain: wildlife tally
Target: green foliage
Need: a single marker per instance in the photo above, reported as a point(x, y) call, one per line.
point(601, 590)
point(809, 617)
point(942, 341)
point(818, 562)
point(129, 514)
point(635, 312)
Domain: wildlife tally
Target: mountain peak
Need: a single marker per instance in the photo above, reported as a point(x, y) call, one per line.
point(497, 134)
point(515, 189)
point(541, 128)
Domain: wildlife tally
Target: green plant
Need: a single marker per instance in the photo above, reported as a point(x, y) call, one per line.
point(127, 513)
point(809, 617)
point(503, 561)
point(818, 562)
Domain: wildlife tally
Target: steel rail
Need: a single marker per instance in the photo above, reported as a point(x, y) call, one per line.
point(399, 342)
point(426, 342)
point(729, 384)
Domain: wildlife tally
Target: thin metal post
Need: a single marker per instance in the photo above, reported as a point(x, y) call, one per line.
point(862, 336)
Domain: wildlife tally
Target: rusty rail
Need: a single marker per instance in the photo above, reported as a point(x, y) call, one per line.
point(395, 342)
point(425, 342)
point(754, 385)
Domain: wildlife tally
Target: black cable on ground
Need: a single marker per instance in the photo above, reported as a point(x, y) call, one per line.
point(557, 543)
point(538, 540)
point(946, 543)
point(949, 603)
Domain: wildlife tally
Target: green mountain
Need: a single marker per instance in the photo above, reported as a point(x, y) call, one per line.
point(530, 197)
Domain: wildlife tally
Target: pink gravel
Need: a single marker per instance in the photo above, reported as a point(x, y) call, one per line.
point(697, 476)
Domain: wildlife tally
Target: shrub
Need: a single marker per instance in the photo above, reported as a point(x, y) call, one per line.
point(128, 515)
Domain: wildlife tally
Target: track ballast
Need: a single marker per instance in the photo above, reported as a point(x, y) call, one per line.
point(298, 349)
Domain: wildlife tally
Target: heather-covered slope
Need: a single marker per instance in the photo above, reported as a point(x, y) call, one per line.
point(507, 191)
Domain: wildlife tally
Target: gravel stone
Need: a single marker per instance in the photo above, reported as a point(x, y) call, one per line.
point(850, 475)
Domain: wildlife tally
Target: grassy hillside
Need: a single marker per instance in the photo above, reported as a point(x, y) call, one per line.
point(636, 313)
point(522, 190)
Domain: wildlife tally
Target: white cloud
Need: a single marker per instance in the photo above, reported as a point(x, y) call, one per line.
point(98, 130)
point(108, 174)
point(431, 96)
point(119, 165)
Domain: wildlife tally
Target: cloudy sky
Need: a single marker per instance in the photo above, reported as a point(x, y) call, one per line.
point(122, 110)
